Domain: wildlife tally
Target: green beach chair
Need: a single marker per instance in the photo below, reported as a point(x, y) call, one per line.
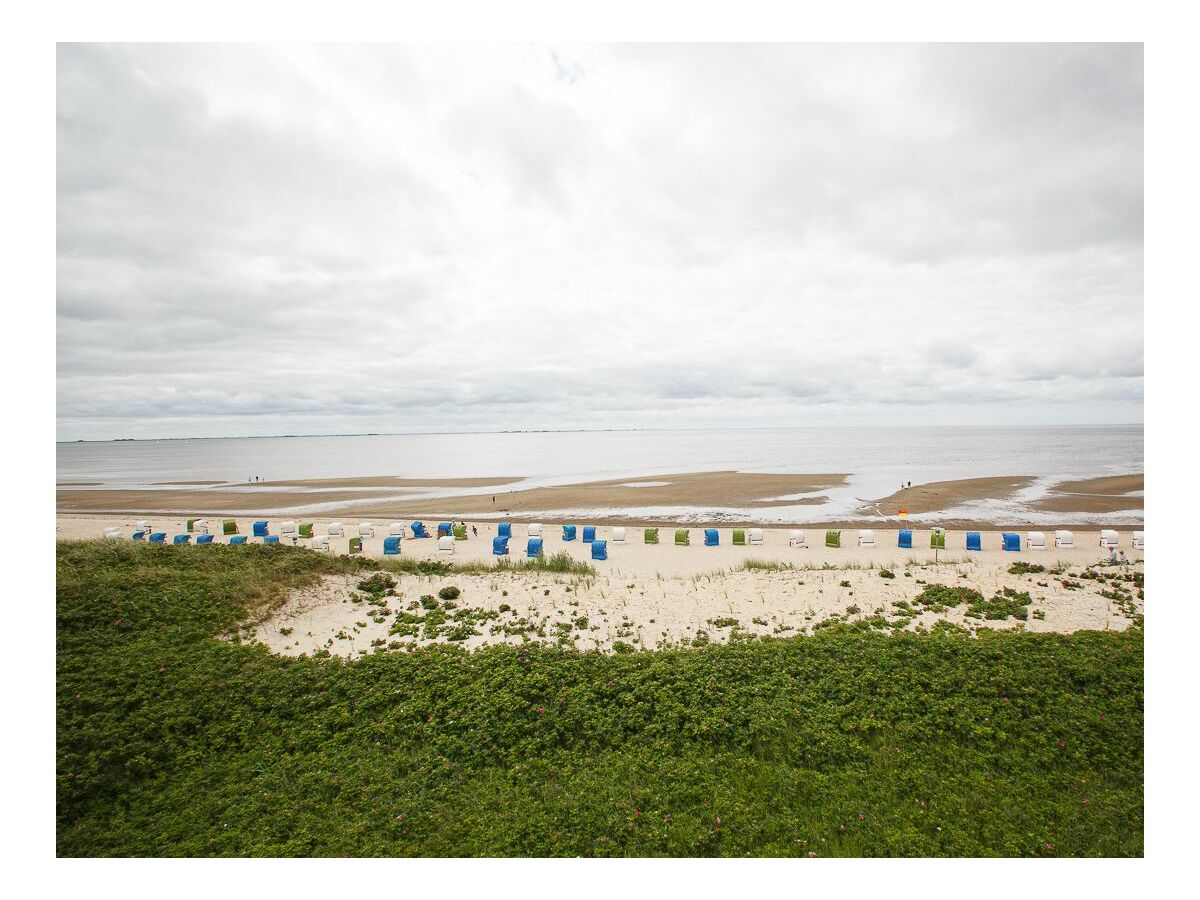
point(229, 527)
point(739, 537)
point(683, 537)
point(650, 536)
point(191, 525)
point(356, 544)
point(833, 539)
point(306, 529)
point(460, 532)
point(937, 540)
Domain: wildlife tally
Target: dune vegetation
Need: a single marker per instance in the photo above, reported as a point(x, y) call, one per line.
point(175, 738)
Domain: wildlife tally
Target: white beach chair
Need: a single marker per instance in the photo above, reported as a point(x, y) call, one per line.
point(1036, 540)
point(113, 533)
point(754, 535)
point(366, 529)
point(797, 539)
point(1064, 539)
point(866, 538)
point(287, 528)
point(143, 525)
point(320, 542)
point(535, 530)
point(200, 526)
point(1108, 538)
point(396, 529)
point(446, 543)
point(1139, 540)
point(337, 529)
point(618, 535)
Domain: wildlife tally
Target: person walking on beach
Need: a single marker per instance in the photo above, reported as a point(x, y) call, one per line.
point(474, 531)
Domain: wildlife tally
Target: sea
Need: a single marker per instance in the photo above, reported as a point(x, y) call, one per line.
point(878, 460)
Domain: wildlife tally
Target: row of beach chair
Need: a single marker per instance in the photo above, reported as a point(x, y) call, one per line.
point(449, 533)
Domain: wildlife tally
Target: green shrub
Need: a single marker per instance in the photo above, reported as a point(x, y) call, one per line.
point(450, 592)
point(173, 741)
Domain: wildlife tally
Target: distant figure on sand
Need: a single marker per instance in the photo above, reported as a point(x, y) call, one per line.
point(1122, 559)
point(1112, 557)
point(474, 531)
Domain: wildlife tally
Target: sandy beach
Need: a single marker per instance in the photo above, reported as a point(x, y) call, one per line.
point(646, 595)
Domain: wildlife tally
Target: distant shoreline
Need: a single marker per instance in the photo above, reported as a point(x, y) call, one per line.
point(255, 437)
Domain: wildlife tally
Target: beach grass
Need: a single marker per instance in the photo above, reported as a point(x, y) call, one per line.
point(174, 742)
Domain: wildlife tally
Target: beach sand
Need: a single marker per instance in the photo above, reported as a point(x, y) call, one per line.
point(644, 595)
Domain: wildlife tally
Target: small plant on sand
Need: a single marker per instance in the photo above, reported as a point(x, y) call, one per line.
point(939, 597)
point(843, 584)
point(887, 573)
point(1024, 568)
point(449, 592)
point(378, 584)
point(754, 564)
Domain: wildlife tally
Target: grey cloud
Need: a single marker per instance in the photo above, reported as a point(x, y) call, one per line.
point(263, 239)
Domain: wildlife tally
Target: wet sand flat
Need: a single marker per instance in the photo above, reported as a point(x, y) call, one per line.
point(393, 481)
point(701, 489)
point(938, 495)
point(1109, 494)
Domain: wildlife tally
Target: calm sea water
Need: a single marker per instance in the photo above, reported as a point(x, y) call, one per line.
point(878, 459)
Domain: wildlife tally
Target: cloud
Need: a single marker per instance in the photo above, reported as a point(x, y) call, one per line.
point(261, 239)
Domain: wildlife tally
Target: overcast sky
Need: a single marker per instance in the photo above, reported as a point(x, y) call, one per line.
point(273, 239)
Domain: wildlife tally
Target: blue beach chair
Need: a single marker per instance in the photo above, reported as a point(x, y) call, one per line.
point(905, 540)
point(568, 532)
point(445, 529)
point(391, 546)
point(533, 549)
point(599, 549)
point(712, 537)
point(260, 529)
point(138, 536)
point(505, 529)
point(1012, 541)
point(499, 546)
point(159, 537)
point(271, 539)
point(418, 530)
point(974, 540)
point(181, 539)
point(204, 539)
point(589, 533)
point(237, 540)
